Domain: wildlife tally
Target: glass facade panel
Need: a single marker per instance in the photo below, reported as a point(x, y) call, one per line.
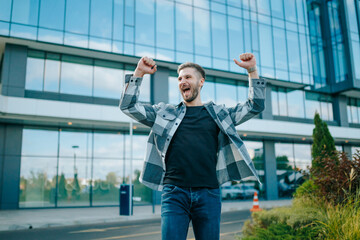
point(77, 17)
point(108, 82)
point(52, 75)
point(25, 11)
point(296, 104)
point(226, 93)
point(145, 22)
point(5, 10)
point(208, 91)
point(34, 74)
point(202, 32)
point(76, 78)
point(174, 93)
point(236, 44)
point(266, 46)
point(280, 50)
point(184, 28)
point(101, 18)
point(118, 20)
point(219, 36)
point(52, 14)
point(38, 168)
point(107, 168)
point(165, 24)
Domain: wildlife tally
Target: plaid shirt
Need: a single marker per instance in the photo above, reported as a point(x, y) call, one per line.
point(233, 160)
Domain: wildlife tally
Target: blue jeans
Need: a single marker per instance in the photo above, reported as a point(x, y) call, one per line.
point(179, 206)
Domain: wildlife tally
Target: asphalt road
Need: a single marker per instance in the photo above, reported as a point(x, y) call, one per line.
point(231, 224)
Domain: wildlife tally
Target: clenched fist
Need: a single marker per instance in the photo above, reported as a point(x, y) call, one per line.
point(248, 61)
point(145, 65)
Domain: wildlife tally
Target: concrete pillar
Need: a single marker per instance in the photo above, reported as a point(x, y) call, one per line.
point(271, 184)
point(347, 150)
point(340, 110)
point(267, 113)
point(160, 86)
point(11, 161)
point(14, 70)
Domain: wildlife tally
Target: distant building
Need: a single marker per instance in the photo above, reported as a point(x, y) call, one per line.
point(63, 140)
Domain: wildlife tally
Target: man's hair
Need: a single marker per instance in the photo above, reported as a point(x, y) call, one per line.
point(197, 67)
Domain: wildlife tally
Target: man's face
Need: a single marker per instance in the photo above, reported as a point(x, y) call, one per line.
point(190, 83)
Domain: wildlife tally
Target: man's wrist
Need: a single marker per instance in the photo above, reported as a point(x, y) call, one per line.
point(252, 69)
point(138, 73)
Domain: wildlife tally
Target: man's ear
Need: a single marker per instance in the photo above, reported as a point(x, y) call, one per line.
point(202, 81)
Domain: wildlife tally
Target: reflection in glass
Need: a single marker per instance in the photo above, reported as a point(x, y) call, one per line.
point(296, 103)
point(208, 91)
point(174, 93)
point(242, 92)
point(266, 46)
point(226, 93)
point(107, 168)
point(23, 31)
point(37, 182)
point(25, 11)
point(293, 54)
point(77, 17)
point(202, 32)
point(52, 73)
point(52, 14)
point(74, 168)
point(165, 24)
point(283, 107)
point(219, 36)
point(275, 102)
point(34, 74)
point(145, 21)
point(184, 30)
point(256, 152)
point(52, 36)
point(312, 105)
point(236, 45)
point(76, 78)
point(101, 18)
point(39, 143)
point(118, 20)
point(108, 82)
point(5, 10)
point(280, 49)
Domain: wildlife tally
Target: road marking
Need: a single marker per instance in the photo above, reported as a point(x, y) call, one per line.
point(109, 228)
point(129, 236)
point(224, 223)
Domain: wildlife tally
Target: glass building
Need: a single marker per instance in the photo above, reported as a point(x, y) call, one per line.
point(65, 143)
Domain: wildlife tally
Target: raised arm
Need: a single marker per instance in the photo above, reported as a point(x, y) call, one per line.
point(256, 97)
point(129, 104)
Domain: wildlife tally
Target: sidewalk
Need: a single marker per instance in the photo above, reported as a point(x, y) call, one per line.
point(43, 218)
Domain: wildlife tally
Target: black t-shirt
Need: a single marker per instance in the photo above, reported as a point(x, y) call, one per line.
point(192, 154)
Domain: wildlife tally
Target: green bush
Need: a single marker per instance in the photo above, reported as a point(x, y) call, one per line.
point(296, 222)
point(307, 189)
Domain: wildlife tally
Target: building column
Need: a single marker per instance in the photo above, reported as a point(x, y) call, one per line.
point(160, 86)
point(10, 142)
point(271, 183)
point(340, 110)
point(14, 70)
point(347, 150)
point(267, 113)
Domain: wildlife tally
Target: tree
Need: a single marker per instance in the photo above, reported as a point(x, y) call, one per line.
point(62, 192)
point(323, 142)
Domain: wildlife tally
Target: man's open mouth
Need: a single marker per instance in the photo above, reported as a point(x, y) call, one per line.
point(186, 90)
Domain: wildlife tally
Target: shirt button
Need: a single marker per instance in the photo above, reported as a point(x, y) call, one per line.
point(131, 80)
point(262, 83)
point(163, 115)
point(258, 82)
point(176, 123)
point(168, 139)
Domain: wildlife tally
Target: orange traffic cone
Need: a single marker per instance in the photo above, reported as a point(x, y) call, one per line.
point(255, 207)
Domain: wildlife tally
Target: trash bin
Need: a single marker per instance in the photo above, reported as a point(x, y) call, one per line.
point(125, 200)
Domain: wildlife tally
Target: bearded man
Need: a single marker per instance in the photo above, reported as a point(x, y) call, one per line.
point(193, 147)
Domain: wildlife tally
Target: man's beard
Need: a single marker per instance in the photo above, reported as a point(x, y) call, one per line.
point(193, 96)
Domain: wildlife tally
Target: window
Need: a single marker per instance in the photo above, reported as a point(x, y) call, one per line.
point(52, 14)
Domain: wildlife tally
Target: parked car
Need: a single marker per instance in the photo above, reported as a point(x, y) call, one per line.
point(230, 192)
point(238, 191)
